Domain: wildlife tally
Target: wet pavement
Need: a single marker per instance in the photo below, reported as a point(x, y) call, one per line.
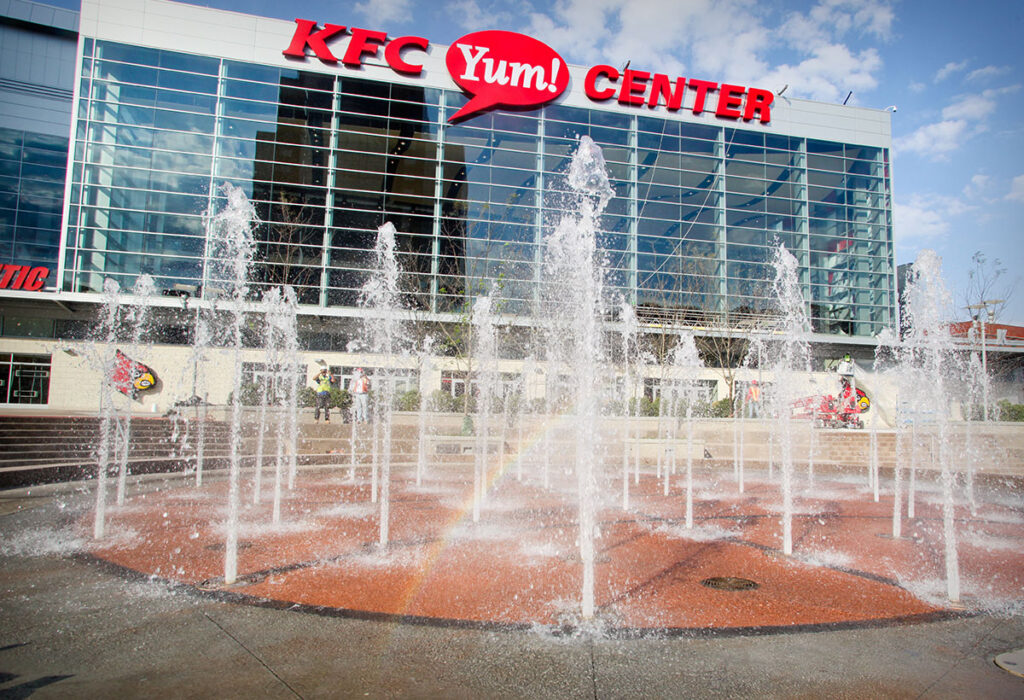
point(76, 625)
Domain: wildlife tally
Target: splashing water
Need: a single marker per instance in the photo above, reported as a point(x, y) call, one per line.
point(381, 295)
point(486, 350)
point(574, 293)
point(230, 245)
point(791, 360)
point(928, 346)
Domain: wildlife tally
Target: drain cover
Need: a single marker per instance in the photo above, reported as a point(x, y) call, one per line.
point(729, 583)
point(1012, 661)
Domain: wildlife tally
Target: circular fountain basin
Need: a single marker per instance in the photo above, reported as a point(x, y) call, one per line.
point(519, 566)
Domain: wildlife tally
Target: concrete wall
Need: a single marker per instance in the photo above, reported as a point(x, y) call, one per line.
point(75, 376)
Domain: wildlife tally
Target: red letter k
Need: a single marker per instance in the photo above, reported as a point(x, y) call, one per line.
point(316, 41)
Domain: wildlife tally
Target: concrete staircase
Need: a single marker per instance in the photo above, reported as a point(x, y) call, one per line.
point(37, 449)
point(47, 448)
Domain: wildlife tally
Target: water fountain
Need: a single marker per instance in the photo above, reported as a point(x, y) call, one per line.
point(279, 389)
point(574, 289)
point(630, 401)
point(790, 363)
point(928, 346)
point(558, 546)
point(230, 246)
point(485, 339)
point(107, 332)
point(138, 321)
point(687, 362)
point(381, 295)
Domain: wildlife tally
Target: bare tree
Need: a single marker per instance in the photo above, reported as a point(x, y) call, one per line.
point(289, 248)
point(987, 281)
point(723, 353)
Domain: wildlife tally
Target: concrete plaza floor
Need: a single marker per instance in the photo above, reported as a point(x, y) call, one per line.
point(73, 626)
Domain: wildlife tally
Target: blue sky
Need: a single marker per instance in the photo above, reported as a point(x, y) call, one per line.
point(953, 70)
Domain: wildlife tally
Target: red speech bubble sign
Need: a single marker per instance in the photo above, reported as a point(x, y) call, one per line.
point(506, 69)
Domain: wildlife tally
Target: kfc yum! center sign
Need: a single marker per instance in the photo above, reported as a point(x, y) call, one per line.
point(499, 69)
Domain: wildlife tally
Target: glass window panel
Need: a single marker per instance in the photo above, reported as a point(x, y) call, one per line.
point(371, 123)
point(188, 82)
point(189, 143)
point(825, 210)
point(744, 201)
point(820, 162)
point(183, 121)
point(785, 207)
point(739, 168)
point(781, 142)
point(703, 215)
point(46, 157)
point(511, 159)
point(783, 189)
point(825, 147)
point(781, 158)
point(659, 210)
point(745, 185)
point(744, 152)
point(832, 180)
point(869, 153)
point(826, 226)
point(251, 71)
point(126, 72)
point(748, 219)
point(698, 131)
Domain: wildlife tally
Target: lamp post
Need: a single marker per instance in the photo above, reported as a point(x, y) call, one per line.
point(983, 308)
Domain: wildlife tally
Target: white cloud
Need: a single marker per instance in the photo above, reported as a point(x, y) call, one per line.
point(924, 218)
point(934, 141)
point(987, 72)
point(977, 186)
point(966, 116)
point(917, 87)
point(917, 221)
point(969, 107)
point(379, 12)
point(828, 47)
point(467, 14)
point(948, 70)
point(726, 40)
point(870, 16)
point(1016, 192)
point(829, 73)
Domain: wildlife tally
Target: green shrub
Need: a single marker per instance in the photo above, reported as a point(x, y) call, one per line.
point(514, 404)
point(650, 407)
point(444, 402)
point(721, 408)
point(612, 407)
point(407, 401)
point(250, 394)
point(339, 398)
point(1011, 411)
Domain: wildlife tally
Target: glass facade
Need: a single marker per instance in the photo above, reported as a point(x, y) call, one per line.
point(32, 169)
point(327, 158)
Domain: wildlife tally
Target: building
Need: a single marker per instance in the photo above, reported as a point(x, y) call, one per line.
point(37, 74)
point(331, 132)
